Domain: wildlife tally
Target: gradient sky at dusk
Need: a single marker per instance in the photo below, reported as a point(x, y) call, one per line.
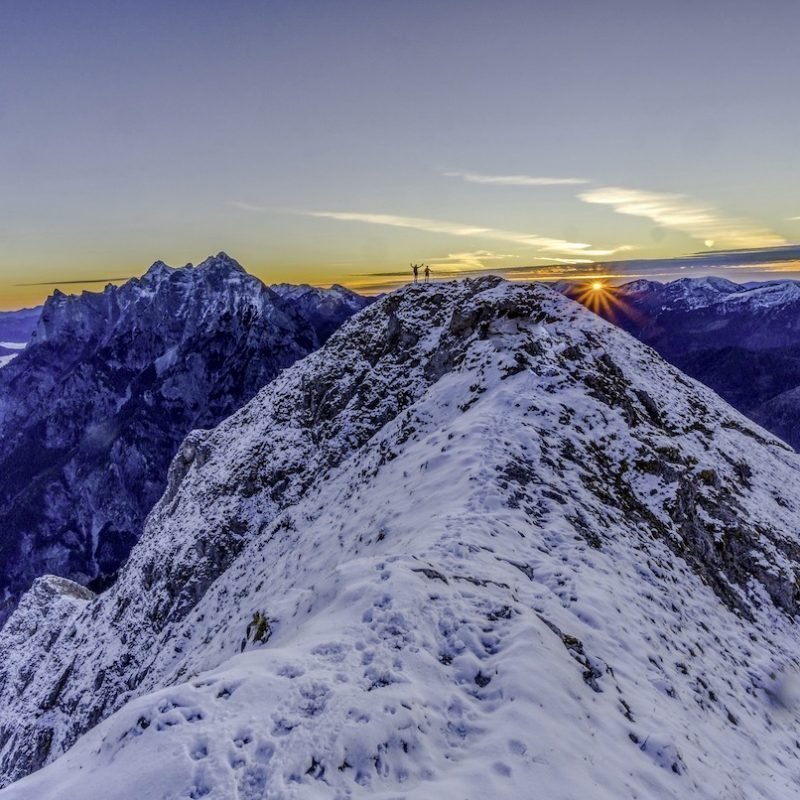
point(337, 141)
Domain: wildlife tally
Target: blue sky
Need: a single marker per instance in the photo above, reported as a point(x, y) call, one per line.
point(337, 141)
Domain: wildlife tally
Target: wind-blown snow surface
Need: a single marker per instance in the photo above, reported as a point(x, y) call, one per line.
point(505, 551)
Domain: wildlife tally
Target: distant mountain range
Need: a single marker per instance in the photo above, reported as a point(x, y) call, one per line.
point(481, 544)
point(93, 410)
point(16, 328)
point(742, 340)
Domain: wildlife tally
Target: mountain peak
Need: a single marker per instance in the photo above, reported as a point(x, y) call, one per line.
point(640, 285)
point(157, 270)
point(221, 261)
point(708, 283)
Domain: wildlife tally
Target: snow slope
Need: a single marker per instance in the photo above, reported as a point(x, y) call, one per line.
point(9, 351)
point(505, 551)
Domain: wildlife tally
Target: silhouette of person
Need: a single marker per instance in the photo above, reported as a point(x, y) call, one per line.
point(427, 274)
point(415, 268)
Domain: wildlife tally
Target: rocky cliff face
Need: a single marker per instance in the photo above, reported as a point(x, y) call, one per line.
point(93, 411)
point(480, 541)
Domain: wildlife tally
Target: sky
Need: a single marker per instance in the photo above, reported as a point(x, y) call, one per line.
point(339, 141)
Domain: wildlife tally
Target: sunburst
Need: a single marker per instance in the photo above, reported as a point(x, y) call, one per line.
point(603, 299)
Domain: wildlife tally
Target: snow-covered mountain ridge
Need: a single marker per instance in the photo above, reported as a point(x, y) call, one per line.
point(94, 409)
point(711, 291)
point(742, 340)
point(500, 545)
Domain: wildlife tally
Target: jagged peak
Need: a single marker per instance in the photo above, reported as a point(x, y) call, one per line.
point(159, 271)
point(221, 261)
point(337, 287)
point(159, 268)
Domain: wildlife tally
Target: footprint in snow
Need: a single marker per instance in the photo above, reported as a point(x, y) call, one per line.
point(199, 751)
point(252, 783)
point(290, 671)
point(243, 738)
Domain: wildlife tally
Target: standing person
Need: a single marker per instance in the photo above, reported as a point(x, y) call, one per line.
point(427, 274)
point(415, 269)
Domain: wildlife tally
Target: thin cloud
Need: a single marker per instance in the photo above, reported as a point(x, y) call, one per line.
point(459, 229)
point(69, 283)
point(682, 213)
point(473, 259)
point(242, 206)
point(469, 264)
point(514, 180)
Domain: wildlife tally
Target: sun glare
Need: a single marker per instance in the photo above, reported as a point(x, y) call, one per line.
point(605, 301)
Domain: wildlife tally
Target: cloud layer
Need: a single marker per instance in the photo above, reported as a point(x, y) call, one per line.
point(682, 213)
point(581, 250)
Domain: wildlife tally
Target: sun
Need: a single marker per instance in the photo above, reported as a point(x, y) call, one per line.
point(598, 296)
point(604, 299)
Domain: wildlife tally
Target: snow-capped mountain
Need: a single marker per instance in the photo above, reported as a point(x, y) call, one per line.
point(325, 309)
point(16, 328)
point(94, 409)
point(480, 542)
point(688, 294)
point(684, 293)
point(742, 340)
